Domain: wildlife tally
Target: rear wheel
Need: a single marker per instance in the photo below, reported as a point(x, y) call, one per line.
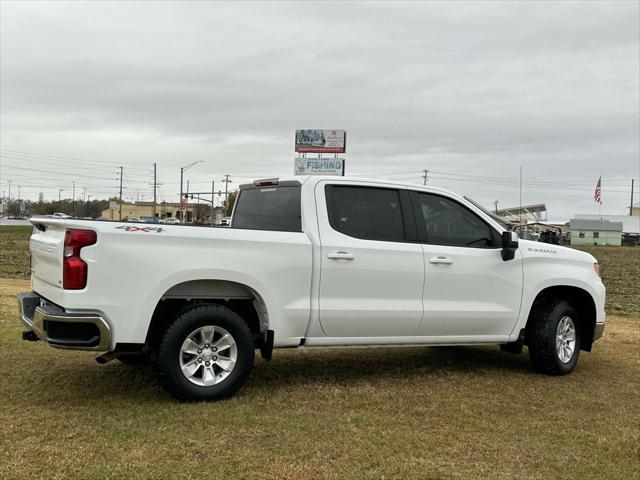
point(206, 354)
point(554, 338)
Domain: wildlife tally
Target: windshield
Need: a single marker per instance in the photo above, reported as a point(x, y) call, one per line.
point(503, 223)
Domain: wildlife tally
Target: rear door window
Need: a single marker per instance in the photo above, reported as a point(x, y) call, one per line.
point(369, 213)
point(268, 208)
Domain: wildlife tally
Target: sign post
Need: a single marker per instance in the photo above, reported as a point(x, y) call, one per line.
point(319, 166)
point(113, 206)
point(320, 141)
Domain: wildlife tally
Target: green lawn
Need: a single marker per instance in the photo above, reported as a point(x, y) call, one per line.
point(467, 412)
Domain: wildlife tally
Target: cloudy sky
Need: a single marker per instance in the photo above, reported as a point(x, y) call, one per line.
point(470, 91)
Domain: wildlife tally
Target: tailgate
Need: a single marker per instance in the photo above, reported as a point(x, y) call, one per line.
point(46, 246)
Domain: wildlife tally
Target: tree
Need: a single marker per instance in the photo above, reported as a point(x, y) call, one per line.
point(228, 208)
point(13, 209)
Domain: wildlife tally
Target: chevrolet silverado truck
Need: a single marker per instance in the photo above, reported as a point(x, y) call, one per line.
point(307, 262)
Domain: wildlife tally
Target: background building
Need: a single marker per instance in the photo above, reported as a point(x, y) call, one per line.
point(595, 232)
point(163, 210)
point(524, 214)
point(630, 225)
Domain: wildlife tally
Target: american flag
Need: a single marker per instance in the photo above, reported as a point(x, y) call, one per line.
point(597, 195)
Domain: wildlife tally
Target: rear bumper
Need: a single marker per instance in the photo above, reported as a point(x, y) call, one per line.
point(598, 331)
point(60, 329)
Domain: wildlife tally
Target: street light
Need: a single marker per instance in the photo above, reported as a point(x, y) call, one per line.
point(182, 170)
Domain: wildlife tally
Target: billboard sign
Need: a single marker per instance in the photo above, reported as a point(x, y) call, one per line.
point(319, 166)
point(321, 141)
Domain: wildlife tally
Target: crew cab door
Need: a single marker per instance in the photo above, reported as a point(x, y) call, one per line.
point(372, 269)
point(469, 290)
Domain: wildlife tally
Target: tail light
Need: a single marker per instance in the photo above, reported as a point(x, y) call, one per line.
point(74, 271)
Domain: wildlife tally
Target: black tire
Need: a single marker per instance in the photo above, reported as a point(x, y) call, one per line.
point(134, 359)
point(166, 359)
point(542, 337)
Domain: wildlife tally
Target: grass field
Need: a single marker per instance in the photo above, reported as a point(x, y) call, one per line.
point(620, 270)
point(14, 251)
point(423, 413)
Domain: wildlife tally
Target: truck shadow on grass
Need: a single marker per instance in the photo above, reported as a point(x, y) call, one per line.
point(346, 366)
point(79, 382)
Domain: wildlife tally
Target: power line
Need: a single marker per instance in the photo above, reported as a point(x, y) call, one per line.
point(62, 157)
point(75, 175)
point(69, 166)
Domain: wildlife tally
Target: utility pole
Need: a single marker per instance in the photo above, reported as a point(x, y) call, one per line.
point(496, 207)
point(213, 192)
point(425, 176)
point(186, 212)
point(84, 194)
point(181, 177)
point(155, 186)
point(9, 181)
point(226, 190)
point(60, 190)
point(631, 204)
point(73, 199)
point(520, 211)
point(120, 198)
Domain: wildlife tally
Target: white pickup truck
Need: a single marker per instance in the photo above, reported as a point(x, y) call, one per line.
point(307, 262)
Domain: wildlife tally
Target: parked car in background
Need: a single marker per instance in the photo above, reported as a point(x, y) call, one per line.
point(150, 219)
point(308, 262)
point(226, 221)
point(171, 221)
point(61, 215)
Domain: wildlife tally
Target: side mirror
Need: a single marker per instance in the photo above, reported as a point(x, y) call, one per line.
point(509, 245)
point(509, 240)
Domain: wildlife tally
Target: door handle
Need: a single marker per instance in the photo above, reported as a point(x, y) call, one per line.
point(441, 260)
point(341, 256)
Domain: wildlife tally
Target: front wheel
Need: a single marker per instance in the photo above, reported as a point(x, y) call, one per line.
point(554, 338)
point(206, 354)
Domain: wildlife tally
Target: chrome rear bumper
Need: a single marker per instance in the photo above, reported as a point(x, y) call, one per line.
point(60, 329)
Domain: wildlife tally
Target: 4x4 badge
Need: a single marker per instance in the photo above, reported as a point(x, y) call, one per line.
point(131, 228)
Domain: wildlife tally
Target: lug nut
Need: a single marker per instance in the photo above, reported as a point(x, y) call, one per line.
point(215, 349)
point(199, 351)
point(215, 358)
point(200, 360)
point(206, 345)
point(207, 364)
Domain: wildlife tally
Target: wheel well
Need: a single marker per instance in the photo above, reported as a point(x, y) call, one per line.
point(240, 298)
point(581, 300)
